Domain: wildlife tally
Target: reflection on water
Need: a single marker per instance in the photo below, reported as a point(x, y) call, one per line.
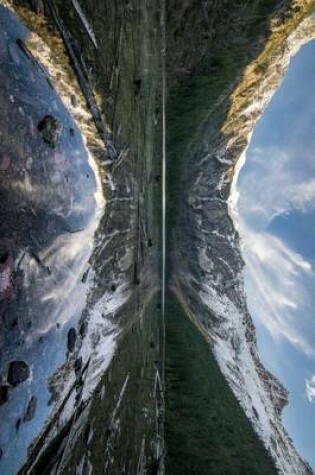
point(48, 217)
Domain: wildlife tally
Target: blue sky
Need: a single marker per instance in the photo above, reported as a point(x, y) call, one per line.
point(277, 226)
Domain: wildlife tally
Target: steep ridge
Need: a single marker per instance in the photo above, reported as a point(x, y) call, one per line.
point(206, 430)
point(206, 272)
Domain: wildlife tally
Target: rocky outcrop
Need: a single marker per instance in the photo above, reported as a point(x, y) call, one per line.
point(209, 281)
point(50, 129)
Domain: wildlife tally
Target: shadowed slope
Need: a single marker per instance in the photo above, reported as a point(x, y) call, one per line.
point(206, 430)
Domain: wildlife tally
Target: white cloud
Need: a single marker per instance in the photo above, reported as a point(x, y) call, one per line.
point(278, 185)
point(276, 275)
point(310, 388)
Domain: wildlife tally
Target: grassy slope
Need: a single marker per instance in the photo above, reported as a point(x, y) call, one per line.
point(206, 430)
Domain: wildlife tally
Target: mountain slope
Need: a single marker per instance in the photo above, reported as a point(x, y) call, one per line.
point(206, 431)
point(207, 264)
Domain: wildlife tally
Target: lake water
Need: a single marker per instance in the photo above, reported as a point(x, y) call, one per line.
point(48, 217)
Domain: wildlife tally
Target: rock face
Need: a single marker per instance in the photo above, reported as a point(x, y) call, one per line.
point(72, 337)
point(209, 281)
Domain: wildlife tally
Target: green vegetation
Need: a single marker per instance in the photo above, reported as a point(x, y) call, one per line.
point(206, 430)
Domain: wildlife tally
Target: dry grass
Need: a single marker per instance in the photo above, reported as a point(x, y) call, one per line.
point(266, 72)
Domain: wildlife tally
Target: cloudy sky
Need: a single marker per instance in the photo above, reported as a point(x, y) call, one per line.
point(277, 224)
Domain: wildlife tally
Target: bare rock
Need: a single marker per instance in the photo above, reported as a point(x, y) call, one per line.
point(72, 337)
point(50, 129)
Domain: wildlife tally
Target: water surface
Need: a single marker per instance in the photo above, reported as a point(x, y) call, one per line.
point(48, 218)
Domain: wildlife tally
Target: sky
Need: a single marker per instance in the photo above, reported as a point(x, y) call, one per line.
point(277, 226)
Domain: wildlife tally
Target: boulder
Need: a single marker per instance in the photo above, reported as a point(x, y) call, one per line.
point(50, 129)
point(18, 372)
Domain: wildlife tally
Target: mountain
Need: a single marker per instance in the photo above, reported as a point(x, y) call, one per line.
point(207, 267)
point(96, 376)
